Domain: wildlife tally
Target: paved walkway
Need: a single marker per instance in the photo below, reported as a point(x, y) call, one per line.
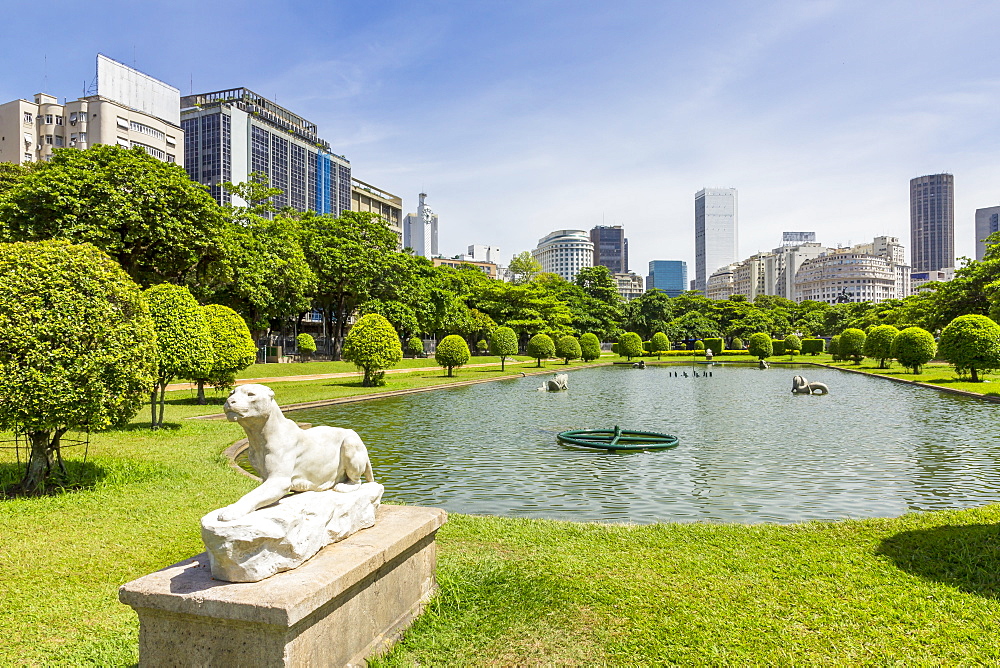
point(323, 376)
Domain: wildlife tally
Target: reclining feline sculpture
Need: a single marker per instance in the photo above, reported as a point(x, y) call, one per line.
point(289, 458)
point(802, 386)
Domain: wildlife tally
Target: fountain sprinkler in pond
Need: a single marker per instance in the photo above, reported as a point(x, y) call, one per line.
point(618, 439)
point(802, 386)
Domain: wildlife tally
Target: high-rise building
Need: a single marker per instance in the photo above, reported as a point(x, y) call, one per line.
point(231, 134)
point(610, 248)
point(389, 207)
point(932, 222)
point(129, 108)
point(565, 252)
point(715, 232)
point(420, 230)
point(987, 223)
point(668, 275)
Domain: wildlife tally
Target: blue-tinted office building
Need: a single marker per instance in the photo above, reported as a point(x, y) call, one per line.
point(668, 275)
point(231, 134)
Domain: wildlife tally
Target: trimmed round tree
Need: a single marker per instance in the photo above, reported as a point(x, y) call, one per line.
point(542, 347)
point(793, 345)
point(590, 347)
point(306, 344)
point(660, 344)
point(913, 347)
point(852, 345)
point(183, 340)
point(373, 345)
point(630, 345)
point(233, 348)
point(568, 348)
point(760, 345)
point(415, 346)
point(482, 346)
point(699, 345)
point(503, 342)
point(451, 352)
point(77, 349)
point(971, 343)
point(834, 347)
point(878, 344)
point(737, 343)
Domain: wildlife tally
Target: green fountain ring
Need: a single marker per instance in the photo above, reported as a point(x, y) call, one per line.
point(618, 439)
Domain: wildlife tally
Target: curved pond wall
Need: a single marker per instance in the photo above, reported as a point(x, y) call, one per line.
point(750, 451)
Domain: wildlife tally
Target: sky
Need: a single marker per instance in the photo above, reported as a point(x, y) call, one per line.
point(521, 118)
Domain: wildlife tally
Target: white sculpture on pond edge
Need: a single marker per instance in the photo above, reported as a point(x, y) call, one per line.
point(266, 531)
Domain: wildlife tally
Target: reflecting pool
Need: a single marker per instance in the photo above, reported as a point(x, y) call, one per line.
point(750, 451)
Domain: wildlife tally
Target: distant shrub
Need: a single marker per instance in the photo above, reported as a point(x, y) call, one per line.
point(914, 347)
point(737, 343)
point(777, 347)
point(482, 346)
point(306, 344)
point(415, 346)
point(452, 352)
point(834, 347)
point(715, 345)
point(373, 345)
point(761, 346)
point(660, 344)
point(699, 345)
point(568, 348)
point(630, 345)
point(541, 346)
point(852, 345)
point(812, 346)
point(503, 342)
point(793, 344)
point(590, 347)
point(878, 344)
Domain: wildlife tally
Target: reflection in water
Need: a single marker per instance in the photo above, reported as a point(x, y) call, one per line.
point(750, 450)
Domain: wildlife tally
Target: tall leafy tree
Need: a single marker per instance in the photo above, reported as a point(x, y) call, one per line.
point(148, 215)
point(76, 347)
point(233, 348)
point(649, 313)
point(524, 268)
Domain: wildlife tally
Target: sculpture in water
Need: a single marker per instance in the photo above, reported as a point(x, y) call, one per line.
point(802, 386)
point(266, 531)
point(556, 384)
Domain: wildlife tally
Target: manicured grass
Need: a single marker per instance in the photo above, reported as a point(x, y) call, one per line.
point(921, 589)
point(311, 368)
point(934, 373)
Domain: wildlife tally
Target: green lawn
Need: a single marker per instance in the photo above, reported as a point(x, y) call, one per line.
point(921, 589)
point(312, 368)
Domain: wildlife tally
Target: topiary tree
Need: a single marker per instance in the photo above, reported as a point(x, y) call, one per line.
point(630, 345)
point(737, 343)
point(699, 345)
point(568, 348)
point(306, 344)
point(373, 345)
point(77, 349)
point(793, 345)
point(760, 346)
point(971, 343)
point(452, 351)
point(183, 340)
point(914, 347)
point(482, 346)
point(715, 345)
point(233, 348)
point(777, 347)
point(542, 347)
point(834, 347)
point(812, 346)
point(590, 347)
point(659, 344)
point(878, 344)
point(503, 342)
point(852, 345)
point(415, 346)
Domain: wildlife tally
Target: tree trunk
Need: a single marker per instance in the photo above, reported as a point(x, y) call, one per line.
point(39, 462)
point(449, 372)
point(152, 407)
point(975, 376)
point(503, 359)
point(338, 338)
point(201, 392)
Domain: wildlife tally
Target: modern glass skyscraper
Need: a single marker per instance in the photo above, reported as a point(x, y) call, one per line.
point(715, 232)
point(231, 134)
point(987, 222)
point(668, 275)
point(610, 248)
point(932, 222)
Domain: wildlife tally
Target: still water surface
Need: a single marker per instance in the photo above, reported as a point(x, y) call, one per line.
point(750, 451)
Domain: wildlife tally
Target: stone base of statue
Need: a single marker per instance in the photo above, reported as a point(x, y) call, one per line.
point(349, 602)
point(284, 535)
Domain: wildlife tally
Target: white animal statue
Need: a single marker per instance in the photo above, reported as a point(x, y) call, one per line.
point(557, 383)
point(802, 386)
point(289, 458)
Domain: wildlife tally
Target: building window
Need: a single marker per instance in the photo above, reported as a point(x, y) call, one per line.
point(48, 119)
point(171, 158)
point(60, 141)
point(27, 157)
point(83, 137)
point(48, 139)
point(146, 130)
point(29, 118)
point(59, 120)
point(122, 123)
point(171, 141)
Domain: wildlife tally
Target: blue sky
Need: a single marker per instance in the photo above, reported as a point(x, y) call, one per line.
point(519, 118)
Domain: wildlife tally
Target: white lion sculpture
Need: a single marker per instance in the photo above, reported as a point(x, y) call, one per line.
point(289, 458)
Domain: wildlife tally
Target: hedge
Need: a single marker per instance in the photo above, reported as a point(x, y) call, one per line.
point(812, 346)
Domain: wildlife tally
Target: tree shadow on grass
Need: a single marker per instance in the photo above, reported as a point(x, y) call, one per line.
point(80, 475)
point(966, 557)
point(144, 426)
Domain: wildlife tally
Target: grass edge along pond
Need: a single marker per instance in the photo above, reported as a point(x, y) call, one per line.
point(921, 588)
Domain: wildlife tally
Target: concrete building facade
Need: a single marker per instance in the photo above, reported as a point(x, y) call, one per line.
point(987, 223)
point(932, 222)
point(857, 273)
point(722, 283)
point(420, 230)
point(565, 252)
point(231, 134)
point(667, 275)
point(366, 197)
point(630, 285)
point(488, 268)
point(610, 248)
point(715, 232)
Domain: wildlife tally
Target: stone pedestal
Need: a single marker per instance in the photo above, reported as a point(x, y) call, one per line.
point(350, 601)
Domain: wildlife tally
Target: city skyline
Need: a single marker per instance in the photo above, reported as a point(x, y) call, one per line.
point(521, 128)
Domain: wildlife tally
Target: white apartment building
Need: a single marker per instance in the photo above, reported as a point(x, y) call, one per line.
point(630, 285)
point(749, 277)
point(864, 273)
point(129, 109)
point(565, 252)
point(720, 285)
point(781, 265)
